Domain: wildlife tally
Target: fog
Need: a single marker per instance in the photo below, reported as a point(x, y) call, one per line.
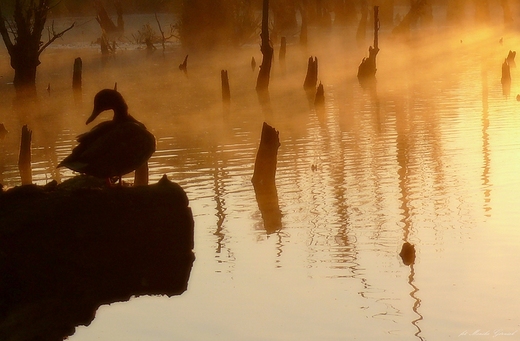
point(422, 155)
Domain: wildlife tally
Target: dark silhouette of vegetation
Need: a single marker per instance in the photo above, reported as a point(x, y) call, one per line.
point(22, 36)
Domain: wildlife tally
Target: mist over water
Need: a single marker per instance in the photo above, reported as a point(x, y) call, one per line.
point(428, 156)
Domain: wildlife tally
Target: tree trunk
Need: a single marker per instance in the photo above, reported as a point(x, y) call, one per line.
point(24, 62)
point(26, 26)
point(262, 82)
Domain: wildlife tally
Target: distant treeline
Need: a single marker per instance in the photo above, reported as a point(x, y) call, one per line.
point(209, 23)
point(85, 7)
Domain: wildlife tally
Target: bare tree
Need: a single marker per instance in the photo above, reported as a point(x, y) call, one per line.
point(22, 36)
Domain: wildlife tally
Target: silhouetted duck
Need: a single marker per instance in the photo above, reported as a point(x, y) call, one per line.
point(112, 148)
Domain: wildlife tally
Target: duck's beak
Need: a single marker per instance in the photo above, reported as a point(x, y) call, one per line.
point(95, 114)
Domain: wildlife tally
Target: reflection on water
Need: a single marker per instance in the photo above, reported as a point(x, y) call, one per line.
point(427, 157)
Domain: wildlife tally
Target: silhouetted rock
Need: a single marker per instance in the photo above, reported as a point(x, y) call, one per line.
point(67, 249)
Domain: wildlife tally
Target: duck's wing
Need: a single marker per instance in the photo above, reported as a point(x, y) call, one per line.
point(117, 151)
point(76, 160)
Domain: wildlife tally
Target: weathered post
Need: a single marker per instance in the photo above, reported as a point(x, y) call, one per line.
point(265, 163)
point(511, 59)
point(506, 78)
point(184, 65)
point(226, 94)
point(262, 83)
point(367, 69)
point(24, 158)
point(311, 78)
point(76, 75)
point(264, 179)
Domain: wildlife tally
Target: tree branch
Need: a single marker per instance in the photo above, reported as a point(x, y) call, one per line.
point(55, 36)
point(4, 32)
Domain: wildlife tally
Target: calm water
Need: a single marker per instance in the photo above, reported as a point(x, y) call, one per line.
point(430, 157)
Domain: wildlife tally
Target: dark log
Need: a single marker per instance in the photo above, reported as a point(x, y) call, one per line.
point(266, 158)
point(226, 94)
point(24, 158)
point(262, 82)
point(69, 248)
point(253, 63)
point(76, 75)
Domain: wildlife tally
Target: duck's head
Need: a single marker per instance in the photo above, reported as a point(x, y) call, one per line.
point(108, 99)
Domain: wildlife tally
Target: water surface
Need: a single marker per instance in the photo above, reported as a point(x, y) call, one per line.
point(429, 157)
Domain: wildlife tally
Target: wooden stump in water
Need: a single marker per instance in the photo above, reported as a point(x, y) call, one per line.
point(311, 78)
point(264, 179)
point(226, 94)
point(506, 79)
point(76, 75)
point(24, 158)
point(266, 157)
point(511, 59)
point(367, 69)
point(184, 65)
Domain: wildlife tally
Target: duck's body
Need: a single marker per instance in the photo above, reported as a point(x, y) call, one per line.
point(112, 148)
